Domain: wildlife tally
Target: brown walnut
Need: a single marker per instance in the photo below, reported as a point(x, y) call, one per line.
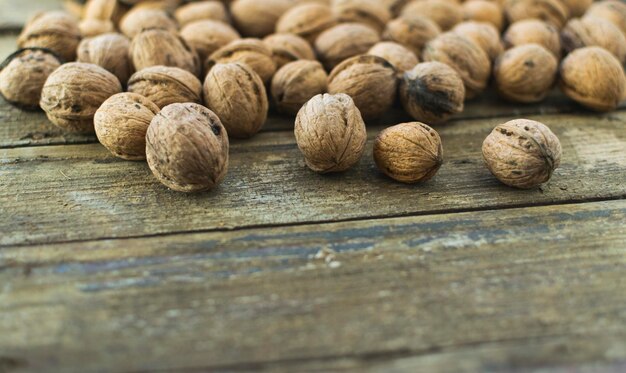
point(138, 20)
point(109, 51)
point(330, 133)
point(611, 10)
point(187, 148)
point(577, 8)
point(255, 18)
point(165, 85)
point(307, 20)
point(249, 51)
point(484, 35)
point(95, 27)
point(445, 13)
point(288, 48)
point(551, 11)
point(56, 30)
point(372, 13)
point(201, 10)
point(296, 83)
point(522, 153)
point(409, 152)
point(103, 10)
point(343, 41)
point(411, 31)
point(161, 47)
point(402, 58)
point(207, 36)
point(395, 6)
point(594, 31)
point(484, 11)
point(121, 124)
point(529, 31)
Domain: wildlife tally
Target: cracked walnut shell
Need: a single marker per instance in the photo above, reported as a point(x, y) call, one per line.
point(55, 30)
point(296, 83)
point(165, 85)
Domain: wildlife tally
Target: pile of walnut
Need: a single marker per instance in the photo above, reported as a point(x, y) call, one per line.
point(196, 73)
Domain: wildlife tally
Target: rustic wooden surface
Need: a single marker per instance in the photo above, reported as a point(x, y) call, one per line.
point(281, 270)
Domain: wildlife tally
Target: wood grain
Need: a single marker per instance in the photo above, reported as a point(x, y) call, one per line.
point(525, 288)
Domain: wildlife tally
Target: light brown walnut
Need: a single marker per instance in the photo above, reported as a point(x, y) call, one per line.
point(484, 11)
point(201, 10)
point(296, 83)
point(109, 51)
point(594, 31)
point(307, 20)
point(535, 31)
point(258, 19)
point(551, 11)
point(94, 27)
point(55, 30)
point(160, 47)
point(444, 13)
point(249, 51)
point(165, 85)
point(372, 13)
point(411, 31)
point(401, 57)
point(611, 10)
point(138, 20)
point(577, 8)
point(484, 35)
point(288, 48)
point(207, 36)
point(343, 41)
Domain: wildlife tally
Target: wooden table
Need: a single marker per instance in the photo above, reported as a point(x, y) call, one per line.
point(102, 269)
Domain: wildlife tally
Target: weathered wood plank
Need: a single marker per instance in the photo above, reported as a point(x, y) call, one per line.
point(78, 192)
point(521, 287)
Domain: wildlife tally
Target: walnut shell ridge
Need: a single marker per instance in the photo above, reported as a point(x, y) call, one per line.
point(296, 83)
point(55, 30)
point(160, 47)
point(166, 85)
point(109, 51)
point(252, 52)
point(288, 48)
point(401, 57)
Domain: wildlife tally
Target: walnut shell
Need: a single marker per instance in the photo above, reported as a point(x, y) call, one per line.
point(201, 10)
point(445, 13)
point(411, 31)
point(256, 18)
point(369, 80)
point(463, 55)
point(237, 95)
point(402, 58)
point(73, 93)
point(577, 7)
point(432, 92)
point(343, 41)
point(103, 10)
point(484, 35)
point(307, 20)
point(395, 6)
point(23, 75)
point(372, 13)
point(95, 27)
point(165, 85)
point(161, 47)
point(535, 31)
point(484, 11)
point(296, 83)
point(611, 10)
point(57, 31)
point(594, 78)
point(109, 51)
point(208, 36)
point(594, 31)
point(522, 153)
point(249, 51)
point(409, 152)
point(526, 73)
point(330, 133)
point(551, 11)
point(121, 124)
point(288, 48)
point(138, 20)
point(187, 148)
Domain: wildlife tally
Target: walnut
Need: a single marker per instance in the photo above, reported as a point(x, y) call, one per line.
point(594, 31)
point(526, 73)
point(249, 51)
point(166, 85)
point(522, 153)
point(432, 92)
point(73, 93)
point(484, 11)
point(343, 41)
point(201, 10)
point(372, 13)
point(57, 31)
point(577, 7)
point(237, 95)
point(161, 47)
point(402, 58)
point(187, 148)
point(23, 74)
point(445, 13)
point(411, 31)
point(594, 78)
point(207, 36)
point(138, 20)
point(463, 55)
point(530, 31)
point(296, 83)
point(256, 18)
point(484, 35)
point(409, 152)
point(395, 6)
point(121, 124)
point(330, 133)
point(103, 10)
point(369, 80)
point(551, 11)
point(288, 48)
point(307, 20)
point(109, 51)
point(95, 27)
point(611, 10)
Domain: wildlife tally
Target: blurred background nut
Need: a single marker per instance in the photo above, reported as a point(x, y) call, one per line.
point(411, 31)
point(109, 51)
point(432, 92)
point(161, 47)
point(593, 31)
point(330, 133)
point(307, 20)
point(594, 78)
point(395, 6)
point(484, 11)
point(409, 152)
point(165, 85)
point(611, 10)
point(445, 13)
point(288, 48)
point(484, 35)
point(56, 30)
point(525, 73)
point(256, 18)
point(522, 153)
point(64, 97)
point(551, 11)
point(296, 83)
point(237, 95)
point(103, 10)
point(187, 148)
point(535, 31)
point(577, 7)
point(207, 36)
point(138, 20)
point(398, 55)
point(372, 13)
point(201, 10)
point(369, 80)
point(249, 51)
point(94, 27)
point(343, 41)
point(121, 124)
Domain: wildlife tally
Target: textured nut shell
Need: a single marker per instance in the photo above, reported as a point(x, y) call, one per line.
point(409, 152)
point(296, 83)
point(237, 95)
point(551, 11)
point(594, 78)
point(395, 6)
point(256, 18)
point(463, 55)
point(187, 148)
point(57, 31)
point(535, 31)
point(307, 20)
point(432, 92)
point(73, 93)
point(121, 124)
point(161, 47)
point(522, 153)
point(484, 11)
point(249, 51)
point(164, 85)
point(611, 10)
point(484, 35)
point(526, 73)
point(369, 80)
point(22, 80)
point(577, 7)
point(402, 58)
point(411, 31)
point(109, 51)
point(103, 10)
point(95, 27)
point(372, 13)
point(207, 36)
point(138, 20)
point(330, 133)
point(445, 13)
point(288, 48)
point(344, 41)
point(201, 10)
point(594, 31)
